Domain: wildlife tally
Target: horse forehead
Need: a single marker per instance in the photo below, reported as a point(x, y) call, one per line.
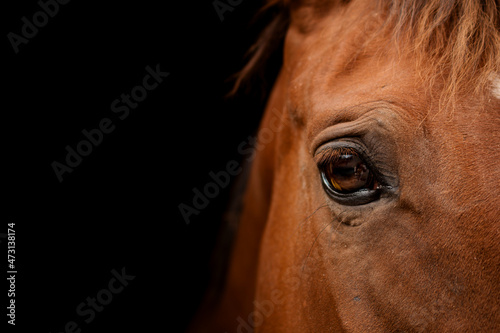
point(327, 63)
point(326, 67)
point(327, 81)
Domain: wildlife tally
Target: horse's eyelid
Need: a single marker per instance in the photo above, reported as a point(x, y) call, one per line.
point(330, 154)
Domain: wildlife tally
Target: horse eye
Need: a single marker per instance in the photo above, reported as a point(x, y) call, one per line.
point(348, 173)
point(347, 177)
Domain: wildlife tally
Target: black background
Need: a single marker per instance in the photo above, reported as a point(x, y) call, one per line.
point(119, 207)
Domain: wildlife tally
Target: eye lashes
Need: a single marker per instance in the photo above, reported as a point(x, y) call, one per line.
point(331, 155)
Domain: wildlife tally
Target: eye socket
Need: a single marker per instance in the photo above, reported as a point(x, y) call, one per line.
point(346, 176)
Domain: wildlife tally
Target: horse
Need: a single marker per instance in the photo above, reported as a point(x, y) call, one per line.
point(372, 203)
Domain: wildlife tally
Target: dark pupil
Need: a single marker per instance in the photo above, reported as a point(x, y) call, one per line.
point(348, 173)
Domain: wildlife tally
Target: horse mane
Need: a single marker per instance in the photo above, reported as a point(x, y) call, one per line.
point(456, 40)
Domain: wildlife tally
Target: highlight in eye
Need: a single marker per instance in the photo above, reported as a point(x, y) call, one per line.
point(344, 170)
